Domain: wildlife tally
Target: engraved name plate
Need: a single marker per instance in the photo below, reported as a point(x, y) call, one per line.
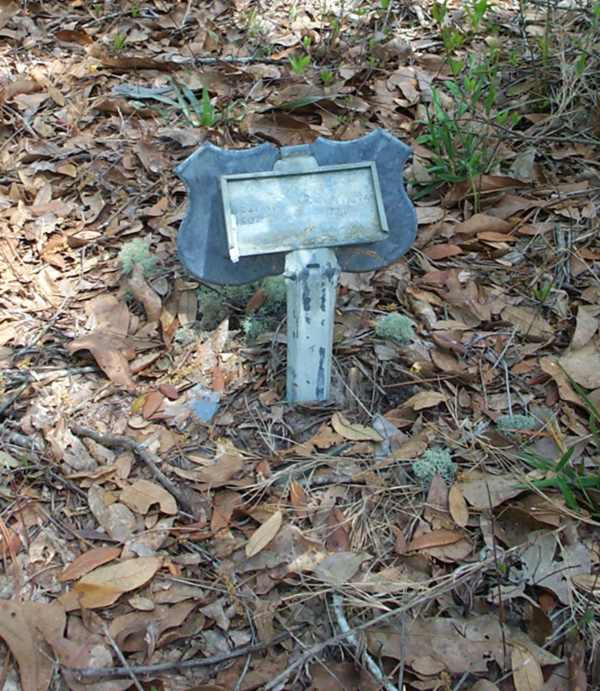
point(279, 212)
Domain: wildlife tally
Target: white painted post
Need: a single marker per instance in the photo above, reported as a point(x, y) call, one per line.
point(312, 277)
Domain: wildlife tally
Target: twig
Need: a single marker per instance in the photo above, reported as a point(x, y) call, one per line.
point(149, 458)
point(338, 608)
point(122, 660)
point(140, 670)
point(231, 59)
point(436, 591)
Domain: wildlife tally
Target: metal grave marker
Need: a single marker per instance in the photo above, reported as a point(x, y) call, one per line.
point(307, 212)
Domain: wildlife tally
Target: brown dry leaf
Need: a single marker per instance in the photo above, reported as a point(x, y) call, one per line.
point(25, 627)
point(528, 322)
point(142, 494)
point(110, 354)
point(435, 538)
point(188, 307)
point(352, 431)
point(339, 568)
point(280, 128)
point(88, 561)
point(221, 472)
point(460, 645)
point(298, 498)
point(429, 214)
point(485, 183)
point(458, 506)
point(340, 676)
point(151, 404)
point(583, 365)
point(479, 223)
point(587, 581)
point(550, 366)
point(490, 236)
point(104, 586)
point(116, 519)
point(224, 504)
point(151, 156)
point(412, 448)
point(484, 685)
point(490, 491)
point(443, 251)
point(586, 327)
point(527, 673)
point(79, 36)
point(125, 63)
point(263, 535)
point(425, 399)
point(145, 294)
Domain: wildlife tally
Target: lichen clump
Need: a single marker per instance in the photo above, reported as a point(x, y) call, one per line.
point(395, 327)
point(137, 252)
point(434, 462)
point(516, 423)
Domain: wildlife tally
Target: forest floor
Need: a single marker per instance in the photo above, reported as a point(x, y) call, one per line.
point(167, 520)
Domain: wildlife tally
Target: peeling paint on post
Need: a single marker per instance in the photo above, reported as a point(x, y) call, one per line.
point(312, 278)
point(306, 211)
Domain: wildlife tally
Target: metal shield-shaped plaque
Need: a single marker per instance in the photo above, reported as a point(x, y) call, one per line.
point(203, 243)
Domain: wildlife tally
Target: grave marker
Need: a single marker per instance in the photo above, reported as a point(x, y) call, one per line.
point(307, 212)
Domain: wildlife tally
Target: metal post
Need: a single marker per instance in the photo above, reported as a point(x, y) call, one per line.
point(311, 277)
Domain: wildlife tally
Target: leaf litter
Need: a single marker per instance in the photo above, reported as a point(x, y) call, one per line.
point(233, 541)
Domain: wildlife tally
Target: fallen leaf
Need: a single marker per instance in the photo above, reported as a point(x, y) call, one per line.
point(116, 519)
point(224, 504)
point(25, 627)
point(587, 581)
point(298, 498)
point(484, 685)
point(434, 538)
point(527, 673)
point(110, 354)
point(550, 366)
point(458, 506)
point(528, 322)
point(104, 586)
point(479, 223)
point(340, 676)
point(443, 251)
point(490, 491)
point(429, 214)
point(425, 399)
point(142, 494)
point(583, 365)
point(221, 472)
point(352, 431)
point(88, 561)
point(144, 293)
point(151, 404)
point(484, 183)
point(586, 327)
point(461, 645)
point(263, 535)
point(340, 567)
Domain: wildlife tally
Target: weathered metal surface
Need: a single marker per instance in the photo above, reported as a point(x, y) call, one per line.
point(311, 276)
point(278, 211)
point(202, 241)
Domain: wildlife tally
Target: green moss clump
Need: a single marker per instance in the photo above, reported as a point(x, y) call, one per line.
point(220, 303)
point(137, 252)
point(516, 423)
point(395, 327)
point(276, 294)
point(434, 462)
